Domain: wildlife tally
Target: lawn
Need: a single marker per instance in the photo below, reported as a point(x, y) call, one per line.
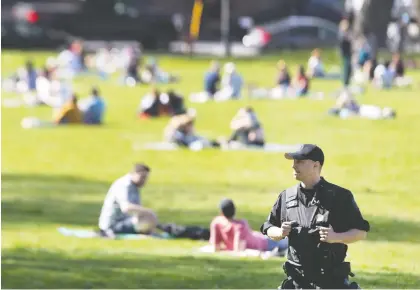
point(54, 177)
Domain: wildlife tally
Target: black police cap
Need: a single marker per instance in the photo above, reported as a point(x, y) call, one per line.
point(307, 152)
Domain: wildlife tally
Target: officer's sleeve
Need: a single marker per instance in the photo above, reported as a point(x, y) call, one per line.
point(274, 218)
point(352, 214)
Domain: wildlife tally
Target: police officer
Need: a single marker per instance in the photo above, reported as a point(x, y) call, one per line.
point(319, 219)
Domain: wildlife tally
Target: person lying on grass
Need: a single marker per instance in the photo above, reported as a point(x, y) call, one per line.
point(347, 106)
point(230, 234)
point(181, 131)
point(153, 73)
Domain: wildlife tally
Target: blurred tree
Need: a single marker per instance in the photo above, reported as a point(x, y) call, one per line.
point(371, 18)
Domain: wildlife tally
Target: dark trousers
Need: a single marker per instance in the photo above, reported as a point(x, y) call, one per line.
point(297, 280)
point(241, 135)
point(291, 284)
point(347, 70)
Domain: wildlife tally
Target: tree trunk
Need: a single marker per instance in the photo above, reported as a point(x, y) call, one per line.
point(417, 9)
point(373, 19)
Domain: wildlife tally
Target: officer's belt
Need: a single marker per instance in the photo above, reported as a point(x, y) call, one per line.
point(309, 278)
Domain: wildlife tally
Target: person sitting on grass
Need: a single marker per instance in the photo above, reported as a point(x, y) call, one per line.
point(122, 211)
point(397, 69)
point(397, 65)
point(364, 75)
point(247, 129)
point(300, 83)
point(180, 131)
point(211, 84)
point(93, 108)
point(230, 234)
point(132, 75)
point(69, 113)
point(315, 65)
point(176, 103)
point(232, 83)
point(153, 105)
point(282, 85)
point(298, 87)
point(383, 77)
point(283, 75)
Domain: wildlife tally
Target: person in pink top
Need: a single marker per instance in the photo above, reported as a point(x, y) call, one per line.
point(230, 234)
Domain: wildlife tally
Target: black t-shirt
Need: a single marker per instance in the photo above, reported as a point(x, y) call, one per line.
point(344, 214)
point(399, 69)
point(283, 78)
point(345, 44)
point(132, 69)
point(306, 195)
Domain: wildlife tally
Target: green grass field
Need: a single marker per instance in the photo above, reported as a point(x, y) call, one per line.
point(54, 177)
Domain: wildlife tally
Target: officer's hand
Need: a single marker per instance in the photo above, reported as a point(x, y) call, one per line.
point(275, 233)
point(286, 227)
point(327, 235)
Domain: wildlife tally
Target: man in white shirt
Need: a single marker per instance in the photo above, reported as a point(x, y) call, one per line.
point(122, 211)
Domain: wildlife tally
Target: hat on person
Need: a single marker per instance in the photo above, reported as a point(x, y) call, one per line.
point(307, 152)
point(227, 207)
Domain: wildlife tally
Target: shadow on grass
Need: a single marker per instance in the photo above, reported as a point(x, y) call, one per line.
point(49, 199)
point(37, 199)
point(393, 230)
point(45, 199)
point(36, 268)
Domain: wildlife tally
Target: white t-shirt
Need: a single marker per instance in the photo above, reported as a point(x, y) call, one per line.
point(43, 87)
point(65, 57)
point(123, 190)
point(315, 65)
point(383, 75)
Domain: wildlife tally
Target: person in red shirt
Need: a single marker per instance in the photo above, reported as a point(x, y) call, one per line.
point(230, 234)
point(301, 82)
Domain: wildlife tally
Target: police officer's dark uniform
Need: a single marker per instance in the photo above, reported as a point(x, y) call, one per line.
point(311, 263)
